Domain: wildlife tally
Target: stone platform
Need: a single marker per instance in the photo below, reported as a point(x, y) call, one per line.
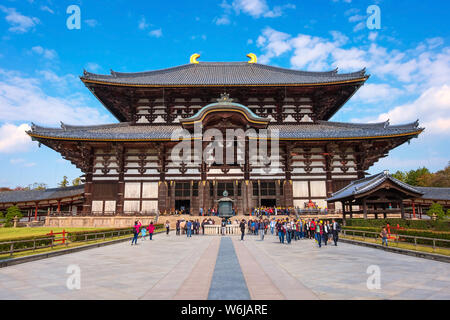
point(222, 267)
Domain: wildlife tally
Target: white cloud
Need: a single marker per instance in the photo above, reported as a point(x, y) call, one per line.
point(157, 33)
point(432, 108)
point(259, 8)
point(372, 93)
point(223, 20)
point(46, 53)
point(14, 139)
point(19, 23)
point(22, 99)
point(143, 24)
point(22, 162)
point(45, 8)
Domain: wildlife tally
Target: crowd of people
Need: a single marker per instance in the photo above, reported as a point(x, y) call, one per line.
point(256, 211)
point(286, 230)
point(294, 229)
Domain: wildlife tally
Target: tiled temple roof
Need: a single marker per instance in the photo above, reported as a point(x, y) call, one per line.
point(310, 131)
point(364, 185)
point(433, 193)
point(39, 195)
point(224, 73)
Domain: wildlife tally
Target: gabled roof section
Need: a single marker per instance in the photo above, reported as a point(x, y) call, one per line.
point(224, 74)
point(39, 195)
point(362, 186)
point(322, 130)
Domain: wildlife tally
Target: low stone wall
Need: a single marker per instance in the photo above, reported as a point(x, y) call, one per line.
point(126, 221)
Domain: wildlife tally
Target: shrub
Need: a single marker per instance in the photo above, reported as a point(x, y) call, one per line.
point(11, 213)
point(438, 225)
point(436, 209)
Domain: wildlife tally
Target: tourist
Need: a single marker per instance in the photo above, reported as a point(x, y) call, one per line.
point(272, 226)
point(151, 228)
point(189, 228)
point(167, 227)
point(136, 229)
point(177, 226)
point(383, 236)
point(203, 226)
point(262, 229)
point(319, 232)
point(242, 227)
point(223, 226)
point(326, 231)
point(288, 232)
point(280, 230)
point(336, 228)
point(143, 233)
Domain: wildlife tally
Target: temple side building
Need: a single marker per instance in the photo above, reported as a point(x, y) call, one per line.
point(128, 168)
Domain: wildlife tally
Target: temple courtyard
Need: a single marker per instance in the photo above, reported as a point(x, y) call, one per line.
point(215, 267)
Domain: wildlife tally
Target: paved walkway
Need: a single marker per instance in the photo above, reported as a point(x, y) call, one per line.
point(214, 267)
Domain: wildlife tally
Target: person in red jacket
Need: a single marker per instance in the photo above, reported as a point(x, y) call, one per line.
point(150, 229)
point(136, 230)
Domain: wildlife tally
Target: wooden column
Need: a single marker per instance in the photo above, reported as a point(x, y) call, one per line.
point(329, 181)
point(59, 206)
point(288, 193)
point(35, 211)
point(162, 195)
point(365, 208)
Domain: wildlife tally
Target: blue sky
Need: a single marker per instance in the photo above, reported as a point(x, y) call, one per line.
point(40, 61)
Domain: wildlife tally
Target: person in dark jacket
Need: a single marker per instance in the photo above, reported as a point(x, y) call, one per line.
point(335, 228)
point(242, 227)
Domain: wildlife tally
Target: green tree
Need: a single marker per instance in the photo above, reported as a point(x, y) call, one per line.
point(11, 213)
point(64, 183)
point(413, 176)
point(76, 181)
point(37, 186)
point(399, 175)
point(436, 209)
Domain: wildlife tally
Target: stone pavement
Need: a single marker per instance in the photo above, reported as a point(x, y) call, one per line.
point(214, 267)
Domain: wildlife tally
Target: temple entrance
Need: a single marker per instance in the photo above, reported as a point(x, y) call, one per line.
point(183, 205)
point(268, 202)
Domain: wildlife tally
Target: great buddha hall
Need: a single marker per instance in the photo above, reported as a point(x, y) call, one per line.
point(128, 168)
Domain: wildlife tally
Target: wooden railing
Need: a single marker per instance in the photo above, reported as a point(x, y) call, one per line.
point(400, 238)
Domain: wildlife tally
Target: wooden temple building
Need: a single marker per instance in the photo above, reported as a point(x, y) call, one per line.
point(128, 168)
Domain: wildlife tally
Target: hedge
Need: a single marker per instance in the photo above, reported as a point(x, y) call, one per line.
point(410, 224)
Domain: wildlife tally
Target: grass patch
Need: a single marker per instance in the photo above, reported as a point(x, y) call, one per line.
point(401, 245)
point(13, 233)
point(70, 245)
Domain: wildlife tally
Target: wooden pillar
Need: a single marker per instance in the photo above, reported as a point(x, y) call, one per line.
point(162, 195)
point(365, 208)
point(329, 181)
point(414, 209)
point(35, 211)
point(59, 206)
point(288, 193)
point(351, 209)
point(402, 209)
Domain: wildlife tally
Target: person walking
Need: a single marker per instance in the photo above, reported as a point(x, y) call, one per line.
point(383, 235)
point(242, 227)
point(151, 229)
point(326, 231)
point(143, 233)
point(177, 226)
point(189, 228)
point(272, 226)
point(136, 229)
point(335, 229)
point(319, 232)
point(281, 230)
point(262, 229)
point(223, 226)
point(167, 227)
